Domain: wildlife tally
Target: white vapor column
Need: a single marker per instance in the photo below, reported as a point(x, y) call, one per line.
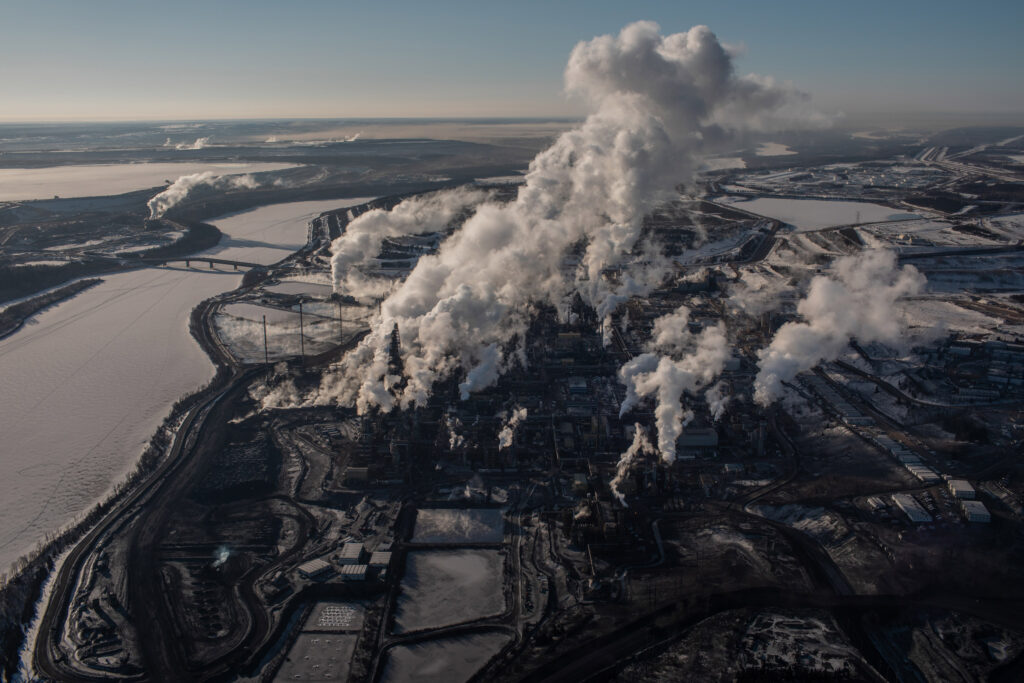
point(856, 299)
point(658, 103)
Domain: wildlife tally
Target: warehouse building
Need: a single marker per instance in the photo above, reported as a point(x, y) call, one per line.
point(975, 511)
point(961, 488)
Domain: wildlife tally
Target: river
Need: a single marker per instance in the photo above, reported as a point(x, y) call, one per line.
point(87, 382)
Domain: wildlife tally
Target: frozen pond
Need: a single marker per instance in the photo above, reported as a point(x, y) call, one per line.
point(447, 587)
point(21, 184)
point(318, 657)
point(773, 149)
point(459, 526)
point(814, 214)
point(446, 659)
point(87, 382)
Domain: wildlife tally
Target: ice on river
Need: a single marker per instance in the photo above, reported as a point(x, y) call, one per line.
point(87, 382)
point(95, 180)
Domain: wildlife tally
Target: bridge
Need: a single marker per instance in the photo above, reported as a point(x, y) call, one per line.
point(188, 260)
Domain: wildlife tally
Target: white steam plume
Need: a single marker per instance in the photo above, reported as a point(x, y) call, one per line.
point(677, 362)
point(508, 430)
point(641, 446)
point(455, 440)
point(180, 189)
point(857, 299)
point(363, 236)
point(717, 400)
point(658, 104)
point(200, 143)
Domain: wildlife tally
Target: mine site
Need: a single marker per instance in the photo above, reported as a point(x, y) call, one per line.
point(703, 382)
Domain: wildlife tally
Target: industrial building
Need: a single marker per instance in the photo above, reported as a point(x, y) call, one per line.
point(353, 572)
point(911, 508)
point(380, 558)
point(961, 488)
point(316, 569)
point(351, 553)
point(975, 511)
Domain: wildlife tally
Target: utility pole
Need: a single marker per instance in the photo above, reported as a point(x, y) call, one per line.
point(302, 340)
point(266, 352)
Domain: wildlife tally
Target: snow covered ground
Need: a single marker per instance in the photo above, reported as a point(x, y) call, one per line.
point(443, 587)
point(448, 659)
point(20, 184)
point(484, 525)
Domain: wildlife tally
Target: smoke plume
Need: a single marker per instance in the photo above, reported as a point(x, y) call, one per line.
point(363, 236)
point(857, 299)
point(508, 430)
point(658, 104)
point(677, 362)
point(717, 400)
point(180, 189)
point(641, 446)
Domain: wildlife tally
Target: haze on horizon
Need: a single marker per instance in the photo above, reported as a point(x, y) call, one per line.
point(125, 60)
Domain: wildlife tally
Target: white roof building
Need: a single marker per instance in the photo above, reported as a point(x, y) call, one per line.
point(315, 568)
point(911, 508)
point(353, 572)
point(961, 488)
point(975, 511)
point(351, 553)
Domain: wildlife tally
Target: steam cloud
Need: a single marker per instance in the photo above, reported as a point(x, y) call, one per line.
point(200, 143)
point(857, 299)
point(641, 446)
point(180, 189)
point(676, 362)
point(658, 103)
point(508, 430)
point(363, 236)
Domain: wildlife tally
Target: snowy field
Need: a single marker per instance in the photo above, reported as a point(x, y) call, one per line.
point(87, 382)
point(318, 657)
point(773, 149)
point(20, 184)
point(814, 214)
point(459, 526)
point(445, 587)
point(448, 659)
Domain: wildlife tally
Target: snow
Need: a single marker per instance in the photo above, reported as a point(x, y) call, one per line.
point(446, 659)
point(87, 382)
point(447, 587)
point(773, 149)
point(814, 214)
point(318, 656)
point(21, 184)
point(296, 287)
point(459, 526)
point(722, 163)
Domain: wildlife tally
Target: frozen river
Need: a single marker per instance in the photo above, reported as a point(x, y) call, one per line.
point(97, 180)
point(87, 383)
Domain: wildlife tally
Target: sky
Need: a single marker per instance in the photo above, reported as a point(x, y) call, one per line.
point(69, 60)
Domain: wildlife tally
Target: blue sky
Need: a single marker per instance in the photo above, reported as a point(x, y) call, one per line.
point(119, 59)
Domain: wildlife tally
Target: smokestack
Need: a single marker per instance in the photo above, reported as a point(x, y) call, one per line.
point(266, 351)
point(302, 336)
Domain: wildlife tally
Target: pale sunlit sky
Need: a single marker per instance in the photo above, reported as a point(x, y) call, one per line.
point(122, 60)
